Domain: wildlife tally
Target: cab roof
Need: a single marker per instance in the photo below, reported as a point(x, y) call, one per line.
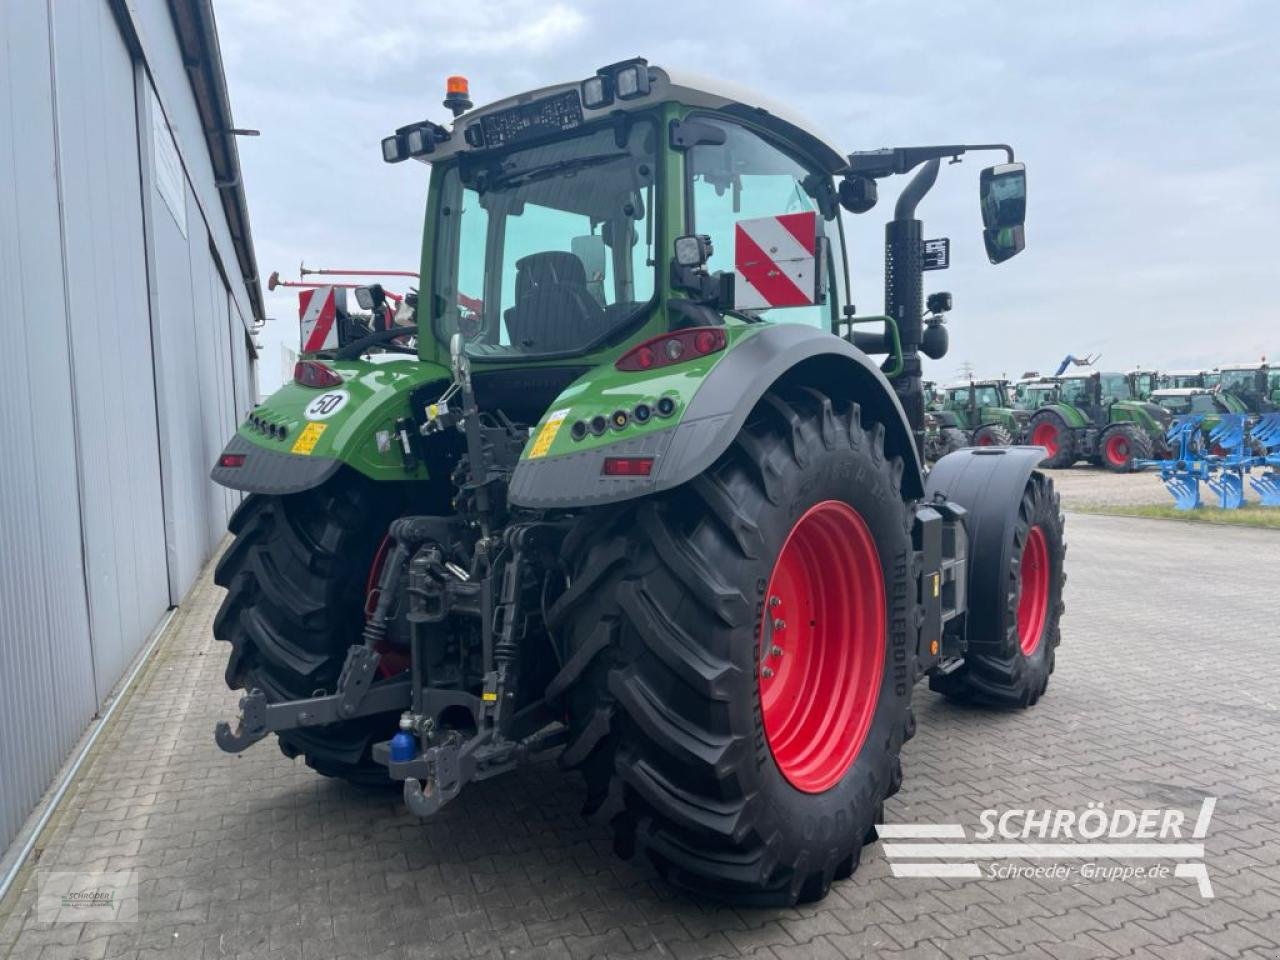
point(670, 86)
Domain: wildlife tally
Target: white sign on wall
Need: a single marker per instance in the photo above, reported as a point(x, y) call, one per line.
point(171, 182)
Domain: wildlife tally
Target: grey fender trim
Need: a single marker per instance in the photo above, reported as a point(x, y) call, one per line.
point(265, 471)
point(712, 419)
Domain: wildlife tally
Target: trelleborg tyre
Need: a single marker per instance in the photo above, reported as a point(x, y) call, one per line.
point(296, 573)
point(747, 643)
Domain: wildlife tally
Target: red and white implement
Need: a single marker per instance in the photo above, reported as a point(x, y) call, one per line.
point(318, 313)
point(776, 261)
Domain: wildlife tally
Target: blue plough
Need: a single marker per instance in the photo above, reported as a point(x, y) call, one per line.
point(1238, 450)
point(1266, 435)
point(1183, 472)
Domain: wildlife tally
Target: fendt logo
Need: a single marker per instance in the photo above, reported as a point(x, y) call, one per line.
point(1060, 844)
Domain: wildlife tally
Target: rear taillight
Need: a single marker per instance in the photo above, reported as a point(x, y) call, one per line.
point(312, 373)
point(672, 348)
point(231, 460)
point(627, 466)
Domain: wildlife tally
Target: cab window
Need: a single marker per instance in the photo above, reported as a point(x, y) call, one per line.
point(748, 178)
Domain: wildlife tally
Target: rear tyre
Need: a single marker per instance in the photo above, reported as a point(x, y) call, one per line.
point(992, 435)
point(1014, 634)
point(756, 738)
point(1122, 445)
point(295, 576)
point(1050, 431)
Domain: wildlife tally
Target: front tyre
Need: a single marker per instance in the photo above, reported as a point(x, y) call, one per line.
point(750, 661)
point(1013, 627)
point(992, 435)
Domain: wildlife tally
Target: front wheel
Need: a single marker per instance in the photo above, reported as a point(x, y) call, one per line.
point(1122, 445)
point(750, 661)
point(1012, 622)
point(992, 435)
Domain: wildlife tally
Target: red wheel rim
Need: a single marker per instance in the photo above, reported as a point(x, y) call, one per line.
point(822, 646)
point(1118, 450)
point(1045, 435)
point(1033, 590)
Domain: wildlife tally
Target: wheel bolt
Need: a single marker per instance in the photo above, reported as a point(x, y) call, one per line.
point(774, 601)
point(775, 650)
point(779, 624)
point(767, 672)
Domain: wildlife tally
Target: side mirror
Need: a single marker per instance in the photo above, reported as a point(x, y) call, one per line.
point(1003, 195)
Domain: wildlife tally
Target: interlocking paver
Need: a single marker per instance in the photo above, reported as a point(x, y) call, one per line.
point(1160, 698)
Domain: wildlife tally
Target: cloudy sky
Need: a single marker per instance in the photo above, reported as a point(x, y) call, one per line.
point(1150, 132)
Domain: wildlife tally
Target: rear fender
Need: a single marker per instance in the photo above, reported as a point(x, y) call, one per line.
point(718, 404)
point(301, 436)
point(1072, 417)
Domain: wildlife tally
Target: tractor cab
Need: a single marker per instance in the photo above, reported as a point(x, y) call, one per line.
point(1180, 380)
point(584, 219)
point(1142, 383)
point(1193, 400)
point(1031, 395)
point(1256, 384)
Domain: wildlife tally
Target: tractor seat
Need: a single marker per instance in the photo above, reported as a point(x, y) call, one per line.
point(554, 310)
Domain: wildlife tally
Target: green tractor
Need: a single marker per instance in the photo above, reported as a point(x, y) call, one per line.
point(1256, 384)
point(984, 411)
point(1095, 417)
point(644, 499)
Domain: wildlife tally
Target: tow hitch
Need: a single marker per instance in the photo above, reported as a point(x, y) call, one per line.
point(356, 696)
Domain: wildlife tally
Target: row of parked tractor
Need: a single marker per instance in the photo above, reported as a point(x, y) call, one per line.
point(1113, 420)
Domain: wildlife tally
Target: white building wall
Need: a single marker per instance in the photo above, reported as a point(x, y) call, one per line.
point(129, 363)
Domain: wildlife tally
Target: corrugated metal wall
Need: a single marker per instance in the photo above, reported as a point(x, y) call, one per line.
point(44, 621)
point(128, 366)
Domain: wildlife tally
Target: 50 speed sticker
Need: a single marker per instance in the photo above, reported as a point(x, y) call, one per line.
point(326, 405)
point(542, 442)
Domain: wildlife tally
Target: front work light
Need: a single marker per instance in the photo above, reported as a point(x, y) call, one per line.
point(393, 149)
point(632, 81)
point(414, 140)
point(596, 92)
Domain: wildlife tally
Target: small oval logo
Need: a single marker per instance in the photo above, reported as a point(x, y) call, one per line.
point(326, 405)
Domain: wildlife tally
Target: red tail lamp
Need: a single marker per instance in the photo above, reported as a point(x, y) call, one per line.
point(231, 460)
point(627, 466)
point(312, 373)
point(669, 348)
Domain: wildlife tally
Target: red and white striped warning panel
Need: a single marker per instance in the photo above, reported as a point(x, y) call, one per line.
point(776, 261)
point(318, 314)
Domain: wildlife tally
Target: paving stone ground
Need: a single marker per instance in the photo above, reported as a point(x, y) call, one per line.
point(1167, 691)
